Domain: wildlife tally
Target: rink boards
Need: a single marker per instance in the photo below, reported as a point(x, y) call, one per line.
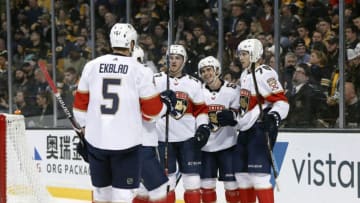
point(314, 167)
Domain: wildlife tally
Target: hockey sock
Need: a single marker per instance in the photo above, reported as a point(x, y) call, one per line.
point(163, 200)
point(171, 197)
point(251, 195)
point(140, 199)
point(232, 196)
point(208, 195)
point(265, 195)
point(192, 196)
point(247, 195)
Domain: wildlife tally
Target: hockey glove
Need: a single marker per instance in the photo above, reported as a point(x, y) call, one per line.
point(168, 97)
point(202, 135)
point(81, 148)
point(271, 124)
point(226, 118)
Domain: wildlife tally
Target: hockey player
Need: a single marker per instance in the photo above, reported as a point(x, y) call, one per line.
point(153, 186)
point(216, 155)
point(262, 106)
point(191, 119)
point(113, 94)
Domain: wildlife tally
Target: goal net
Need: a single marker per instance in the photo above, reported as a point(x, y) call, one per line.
point(19, 180)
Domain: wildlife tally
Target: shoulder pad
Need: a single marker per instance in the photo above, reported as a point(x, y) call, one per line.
point(265, 67)
point(158, 74)
point(231, 85)
point(193, 78)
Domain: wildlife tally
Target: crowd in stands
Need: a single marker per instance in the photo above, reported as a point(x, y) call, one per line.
point(309, 49)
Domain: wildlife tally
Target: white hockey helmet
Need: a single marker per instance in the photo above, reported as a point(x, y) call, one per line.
point(179, 50)
point(254, 47)
point(122, 34)
point(210, 61)
point(138, 54)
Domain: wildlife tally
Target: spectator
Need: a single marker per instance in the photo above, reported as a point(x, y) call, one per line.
point(22, 83)
point(255, 29)
point(352, 108)
point(41, 85)
point(324, 27)
point(160, 34)
point(351, 37)
point(300, 51)
point(45, 27)
point(33, 11)
point(145, 24)
point(286, 74)
point(241, 32)
point(19, 54)
point(316, 38)
point(84, 49)
point(356, 21)
point(3, 73)
point(235, 69)
point(320, 71)
point(267, 20)
point(43, 110)
point(301, 100)
point(29, 66)
point(110, 20)
point(303, 33)
point(22, 104)
point(102, 9)
point(312, 11)
point(210, 22)
point(353, 67)
point(37, 45)
point(288, 22)
point(75, 60)
point(237, 12)
point(333, 52)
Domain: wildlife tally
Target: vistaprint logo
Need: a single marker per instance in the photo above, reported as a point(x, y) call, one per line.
point(37, 156)
point(327, 171)
point(279, 155)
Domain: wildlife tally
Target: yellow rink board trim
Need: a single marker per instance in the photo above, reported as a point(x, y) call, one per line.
point(74, 193)
point(70, 193)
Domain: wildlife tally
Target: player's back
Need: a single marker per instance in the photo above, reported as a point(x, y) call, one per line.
point(115, 84)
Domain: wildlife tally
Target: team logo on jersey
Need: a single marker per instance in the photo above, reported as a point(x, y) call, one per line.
point(176, 82)
point(181, 104)
point(273, 84)
point(213, 96)
point(244, 101)
point(213, 109)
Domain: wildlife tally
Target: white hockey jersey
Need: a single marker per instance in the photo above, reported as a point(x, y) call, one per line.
point(227, 97)
point(190, 107)
point(113, 94)
point(271, 91)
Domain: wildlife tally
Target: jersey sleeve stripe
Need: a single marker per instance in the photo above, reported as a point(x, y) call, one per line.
point(277, 97)
point(151, 107)
point(81, 100)
point(200, 108)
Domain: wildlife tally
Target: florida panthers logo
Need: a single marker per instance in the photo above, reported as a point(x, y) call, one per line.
point(181, 104)
point(213, 109)
point(244, 101)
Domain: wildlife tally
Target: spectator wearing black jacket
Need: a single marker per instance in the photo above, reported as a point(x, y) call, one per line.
point(302, 112)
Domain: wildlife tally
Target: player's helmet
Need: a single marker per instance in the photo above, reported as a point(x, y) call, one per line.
point(122, 34)
point(210, 61)
point(138, 54)
point(254, 47)
point(179, 50)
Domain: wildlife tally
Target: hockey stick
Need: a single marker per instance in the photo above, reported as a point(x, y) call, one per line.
point(267, 136)
point(72, 120)
point(170, 26)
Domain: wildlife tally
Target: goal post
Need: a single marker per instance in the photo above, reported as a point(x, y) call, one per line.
point(19, 179)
